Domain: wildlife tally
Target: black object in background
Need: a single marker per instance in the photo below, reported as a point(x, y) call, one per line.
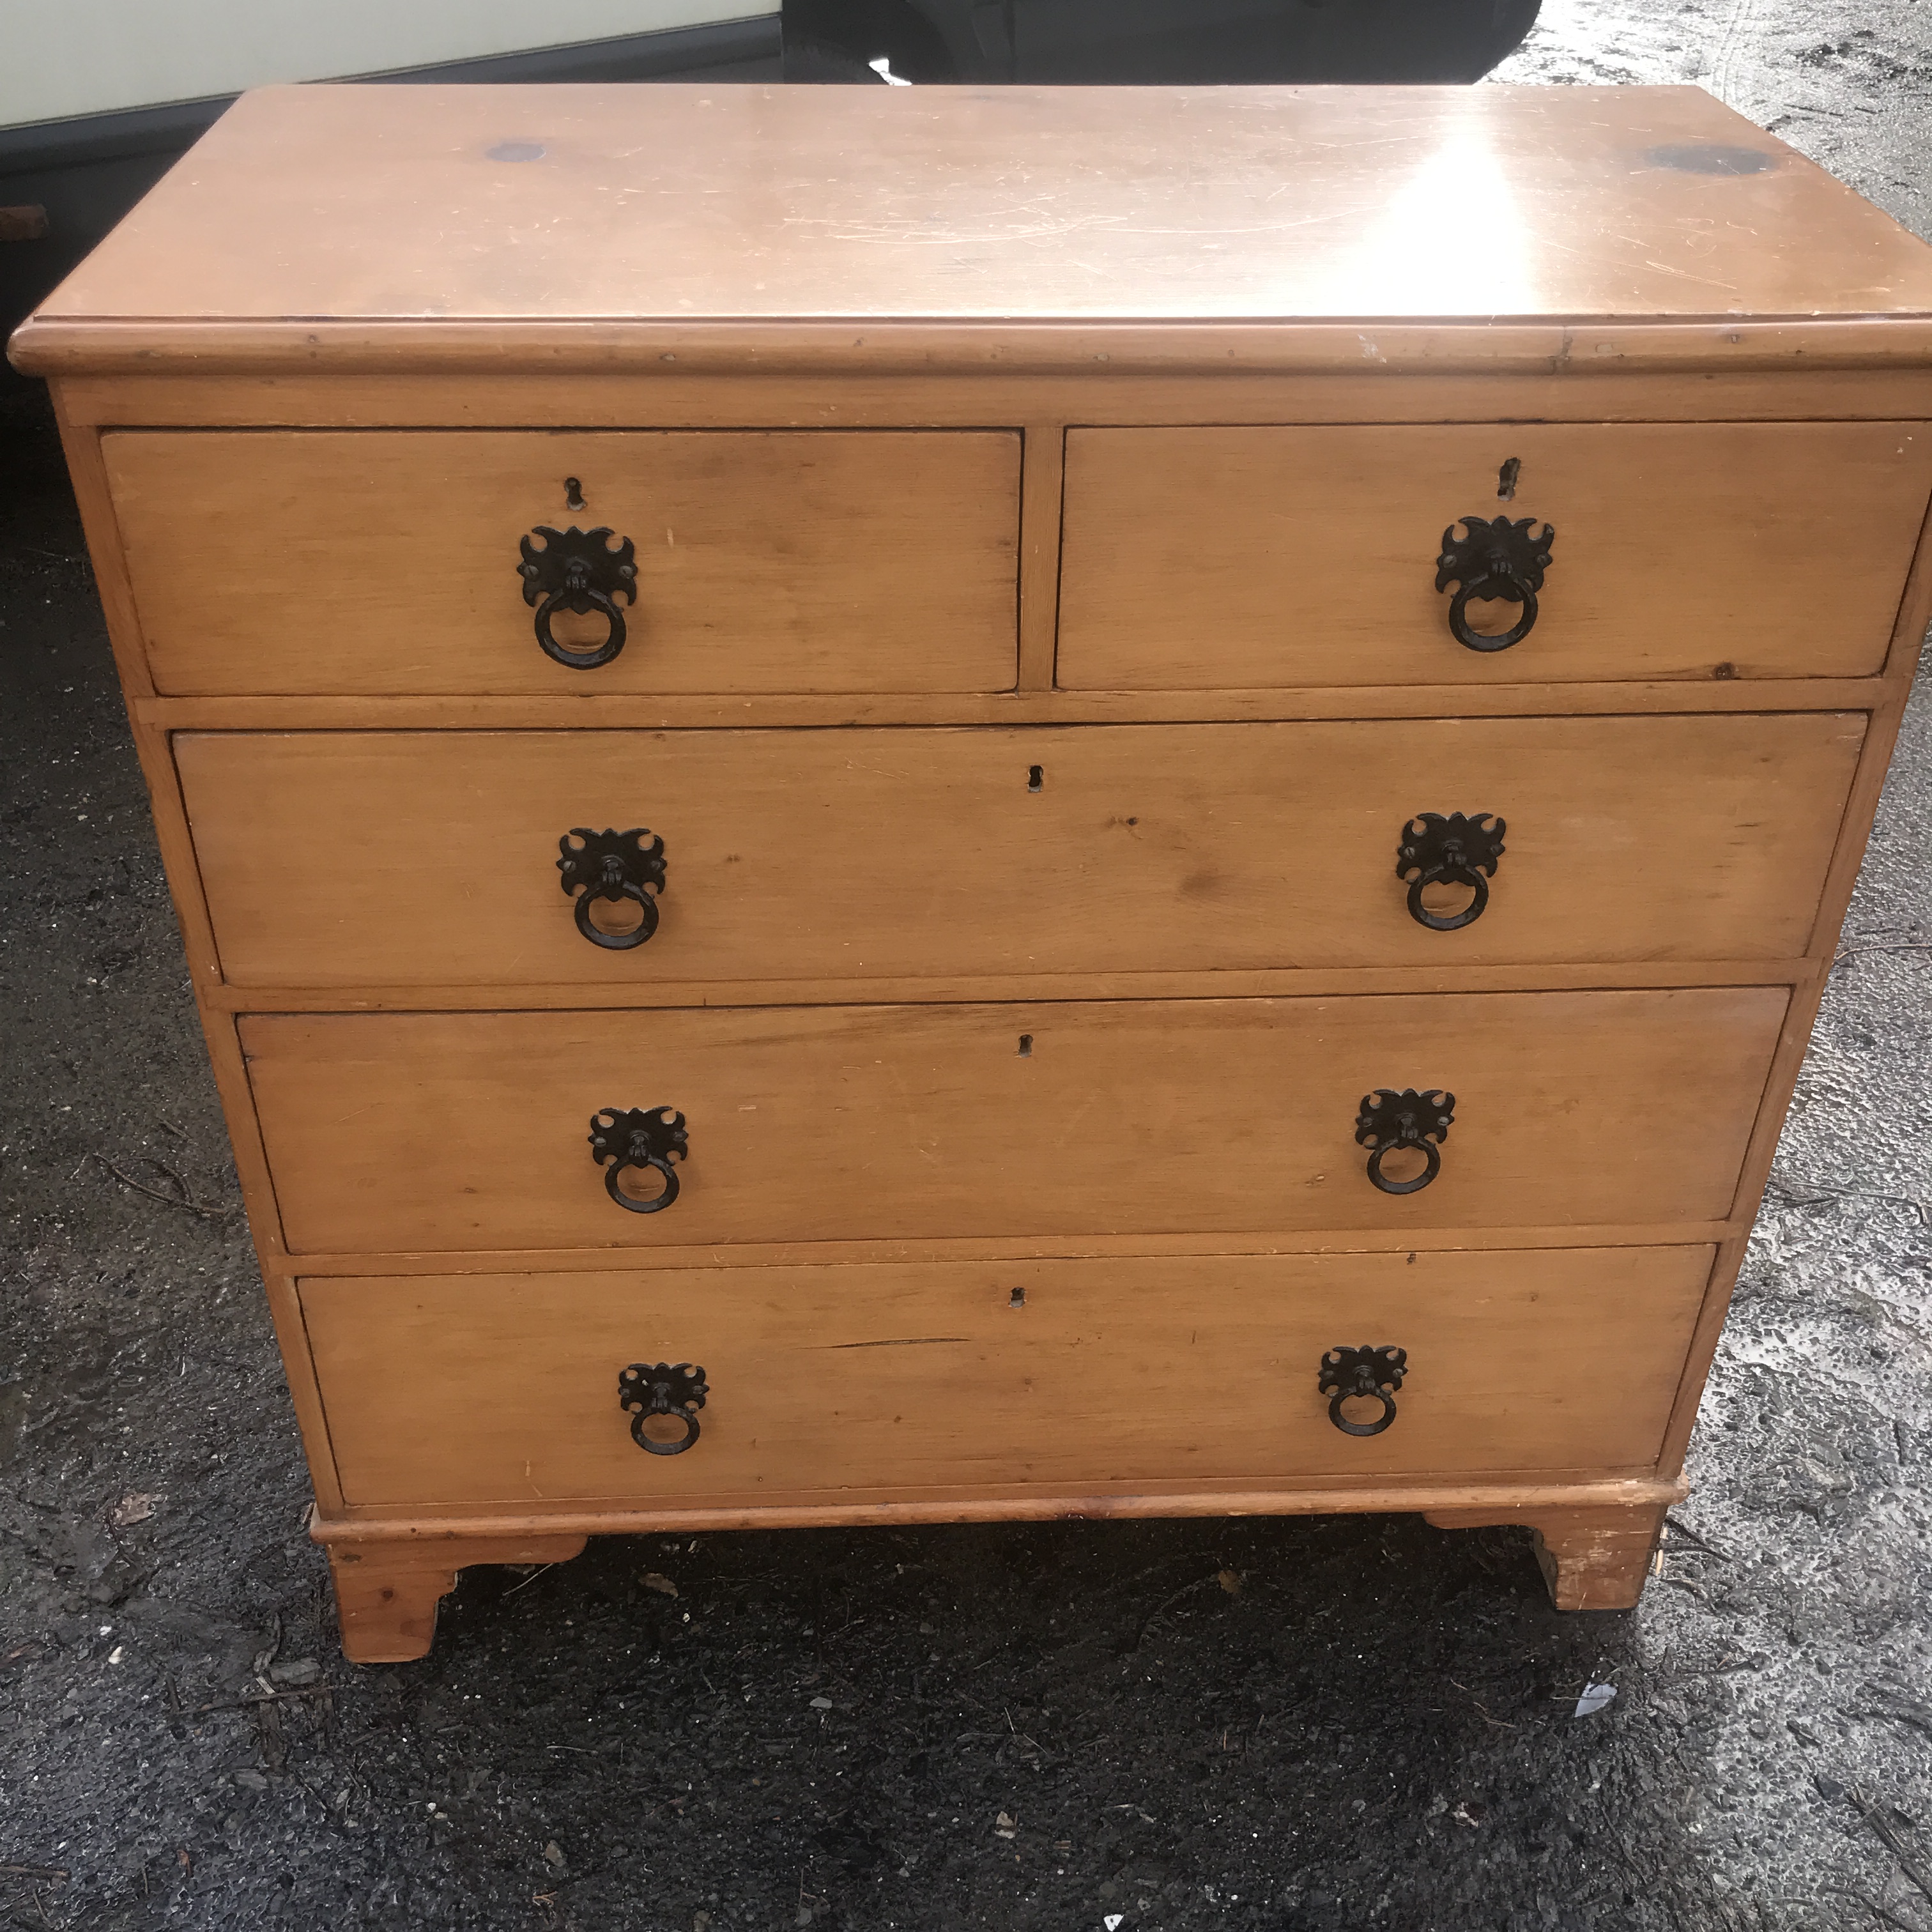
point(1170, 42)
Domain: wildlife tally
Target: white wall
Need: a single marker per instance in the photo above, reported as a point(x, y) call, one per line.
point(69, 57)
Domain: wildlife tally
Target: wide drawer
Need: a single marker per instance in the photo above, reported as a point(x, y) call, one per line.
point(411, 858)
point(1077, 1375)
point(422, 1131)
point(389, 561)
point(1267, 557)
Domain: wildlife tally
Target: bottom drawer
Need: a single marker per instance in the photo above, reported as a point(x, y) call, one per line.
point(1072, 1376)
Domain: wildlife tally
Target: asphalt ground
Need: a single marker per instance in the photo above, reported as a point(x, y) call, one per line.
point(1353, 1723)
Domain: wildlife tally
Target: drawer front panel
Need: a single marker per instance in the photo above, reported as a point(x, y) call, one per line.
point(388, 562)
point(390, 1132)
point(1177, 848)
point(503, 1389)
point(1260, 558)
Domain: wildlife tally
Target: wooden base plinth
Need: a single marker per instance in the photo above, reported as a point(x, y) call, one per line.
point(1594, 1555)
point(386, 1593)
point(1592, 1559)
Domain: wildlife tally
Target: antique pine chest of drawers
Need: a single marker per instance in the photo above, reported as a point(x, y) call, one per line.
point(906, 805)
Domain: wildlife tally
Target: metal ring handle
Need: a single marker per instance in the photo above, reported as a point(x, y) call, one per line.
point(1340, 1420)
point(1514, 592)
point(663, 1200)
point(580, 599)
point(618, 942)
point(1436, 922)
point(1430, 1153)
point(690, 1435)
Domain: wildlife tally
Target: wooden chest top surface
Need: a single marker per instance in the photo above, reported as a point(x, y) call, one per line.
point(656, 206)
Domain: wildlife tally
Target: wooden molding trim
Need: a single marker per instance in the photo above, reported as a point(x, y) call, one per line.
point(789, 1254)
point(987, 1506)
point(46, 346)
point(664, 395)
point(321, 712)
point(1308, 982)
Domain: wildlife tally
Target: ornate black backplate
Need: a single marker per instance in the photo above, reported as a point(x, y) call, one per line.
point(650, 1137)
point(1493, 560)
point(577, 570)
point(1455, 851)
point(676, 1389)
point(1368, 1372)
point(1390, 1119)
point(609, 864)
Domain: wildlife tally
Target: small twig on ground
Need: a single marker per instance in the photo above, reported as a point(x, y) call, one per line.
point(248, 1703)
point(1690, 1535)
point(33, 1871)
point(1906, 946)
point(1905, 1710)
point(1186, 1590)
point(1013, 1731)
point(295, 1776)
point(184, 1199)
point(1893, 1844)
point(267, 1655)
point(181, 1187)
point(1791, 1190)
point(1878, 1911)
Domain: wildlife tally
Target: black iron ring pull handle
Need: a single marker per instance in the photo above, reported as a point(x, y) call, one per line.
point(675, 1389)
point(1421, 1180)
point(577, 570)
point(1493, 560)
point(1457, 850)
point(1390, 1119)
point(614, 865)
point(1507, 590)
point(1368, 1374)
point(639, 1137)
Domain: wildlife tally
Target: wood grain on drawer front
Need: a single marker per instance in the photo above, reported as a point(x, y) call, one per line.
point(1173, 847)
point(1229, 558)
point(399, 1131)
point(503, 1389)
point(387, 561)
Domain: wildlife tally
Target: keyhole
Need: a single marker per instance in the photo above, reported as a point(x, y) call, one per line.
point(1036, 778)
point(573, 493)
point(1017, 1299)
point(1506, 479)
point(1026, 1046)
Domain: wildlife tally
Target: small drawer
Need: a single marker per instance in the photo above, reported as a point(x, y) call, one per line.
point(1103, 850)
point(393, 562)
point(1269, 557)
point(399, 1131)
point(1073, 1376)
